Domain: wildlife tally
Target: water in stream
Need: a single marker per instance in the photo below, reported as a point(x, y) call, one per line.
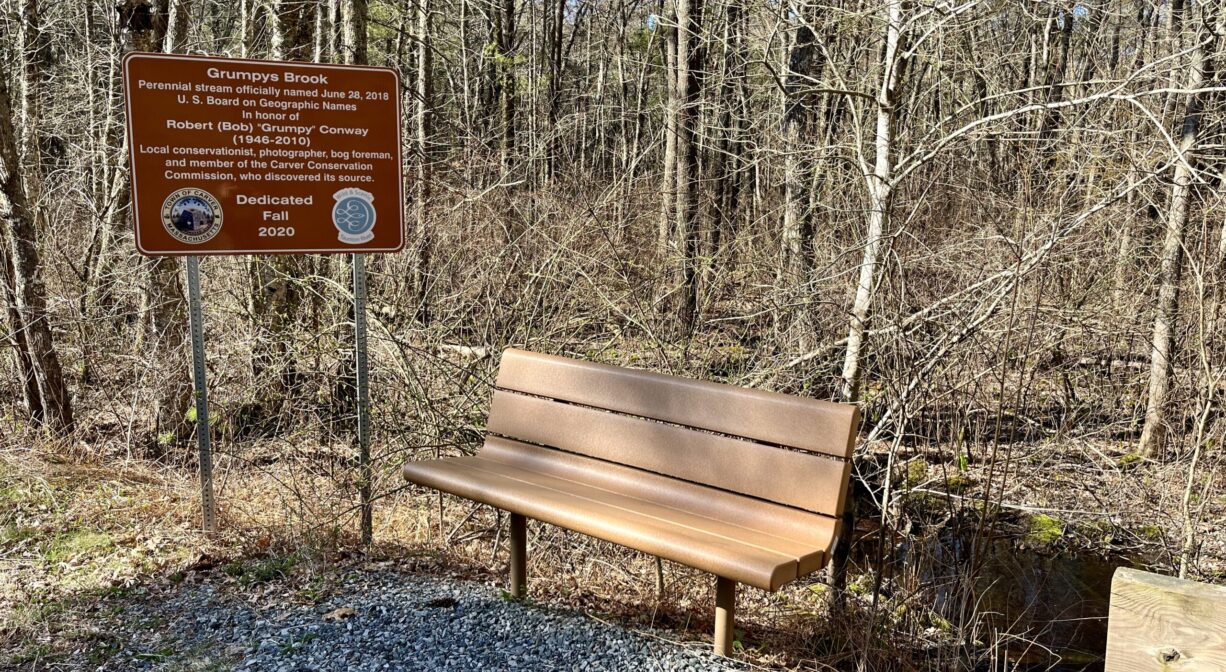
point(1053, 607)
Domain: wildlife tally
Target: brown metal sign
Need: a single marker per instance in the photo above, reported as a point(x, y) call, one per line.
point(263, 157)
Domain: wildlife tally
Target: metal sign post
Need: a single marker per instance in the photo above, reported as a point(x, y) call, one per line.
point(363, 402)
point(196, 316)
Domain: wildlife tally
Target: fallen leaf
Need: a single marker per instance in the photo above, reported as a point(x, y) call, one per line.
point(340, 614)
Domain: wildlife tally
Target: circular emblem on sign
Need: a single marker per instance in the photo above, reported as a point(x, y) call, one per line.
point(354, 215)
point(191, 215)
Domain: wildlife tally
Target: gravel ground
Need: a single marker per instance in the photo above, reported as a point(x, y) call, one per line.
point(370, 620)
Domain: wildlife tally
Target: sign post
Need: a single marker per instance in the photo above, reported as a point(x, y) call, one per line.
point(232, 156)
point(195, 314)
point(362, 375)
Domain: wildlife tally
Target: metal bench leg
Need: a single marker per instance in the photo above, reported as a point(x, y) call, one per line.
point(519, 555)
point(725, 615)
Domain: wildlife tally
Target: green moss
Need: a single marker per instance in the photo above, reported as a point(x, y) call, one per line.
point(214, 416)
point(264, 570)
point(26, 495)
point(77, 543)
point(871, 391)
point(507, 596)
point(917, 472)
point(156, 655)
point(1130, 460)
point(1100, 530)
point(14, 534)
point(957, 483)
point(32, 654)
point(313, 592)
point(940, 623)
point(294, 642)
point(100, 652)
point(1151, 532)
point(1044, 529)
point(862, 585)
point(925, 503)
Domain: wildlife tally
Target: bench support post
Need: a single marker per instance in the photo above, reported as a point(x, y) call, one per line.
point(519, 555)
point(725, 615)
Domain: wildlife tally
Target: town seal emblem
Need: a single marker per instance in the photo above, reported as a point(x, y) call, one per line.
point(191, 215)
point(354, 215)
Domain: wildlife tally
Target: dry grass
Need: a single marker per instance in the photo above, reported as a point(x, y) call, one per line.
point(73, 530)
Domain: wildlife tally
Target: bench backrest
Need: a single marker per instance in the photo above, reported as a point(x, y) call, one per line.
point(777, 447)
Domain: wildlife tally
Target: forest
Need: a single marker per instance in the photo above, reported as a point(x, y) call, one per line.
point(997, 226)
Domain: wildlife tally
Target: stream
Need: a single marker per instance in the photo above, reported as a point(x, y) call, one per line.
point(1050, 607)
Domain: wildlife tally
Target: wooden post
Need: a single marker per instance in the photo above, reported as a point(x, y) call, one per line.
point(519, 556)
point(1163, 624)
point(725, 615)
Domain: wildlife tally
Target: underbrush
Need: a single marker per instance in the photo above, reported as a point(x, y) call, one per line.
point(79, 533)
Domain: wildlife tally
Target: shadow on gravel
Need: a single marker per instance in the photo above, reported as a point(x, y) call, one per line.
point(365, 620)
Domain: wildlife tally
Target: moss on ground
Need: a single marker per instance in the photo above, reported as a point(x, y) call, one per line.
point(1044, 530)
point(74, 544)
point(261, 570)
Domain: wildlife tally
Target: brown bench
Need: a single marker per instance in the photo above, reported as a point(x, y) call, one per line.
point(744, 484)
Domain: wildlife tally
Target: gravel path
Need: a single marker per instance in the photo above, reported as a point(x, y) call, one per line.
point(374, 620)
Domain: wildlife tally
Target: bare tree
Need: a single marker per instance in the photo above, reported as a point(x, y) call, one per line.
point(163, 301)
point(1167, 312)
point(276, 286)
point(879, 181)
point(668, 183)
point(504, 29)
point(425, 159)
point(690, 56)
point(800, 73)
point(29, 290)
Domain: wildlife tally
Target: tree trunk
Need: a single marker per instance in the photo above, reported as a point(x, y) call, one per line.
point(689, 62)
point(17, 339)
point(142, 25)
point(425, 151)
point(354, 21)
point(797, 220)
point(505, 16)
point(1153, 435)
point(276, 282)
point(727, 160)
point(177, 21)
point(554, 10)
point(166, 325)
point(291, 34)
point(246, 21)
point(880, 195)
point(29, 292)
point(668, 185)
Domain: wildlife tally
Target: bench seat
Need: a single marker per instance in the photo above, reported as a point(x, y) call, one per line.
point(745, 484)
point(691, 524)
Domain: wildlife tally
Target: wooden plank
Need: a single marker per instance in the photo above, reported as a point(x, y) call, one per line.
point(1163, 624)
point(782, 419)
point(799, 479)
point(812, 529)
point(719, 555)
point(604, 500)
